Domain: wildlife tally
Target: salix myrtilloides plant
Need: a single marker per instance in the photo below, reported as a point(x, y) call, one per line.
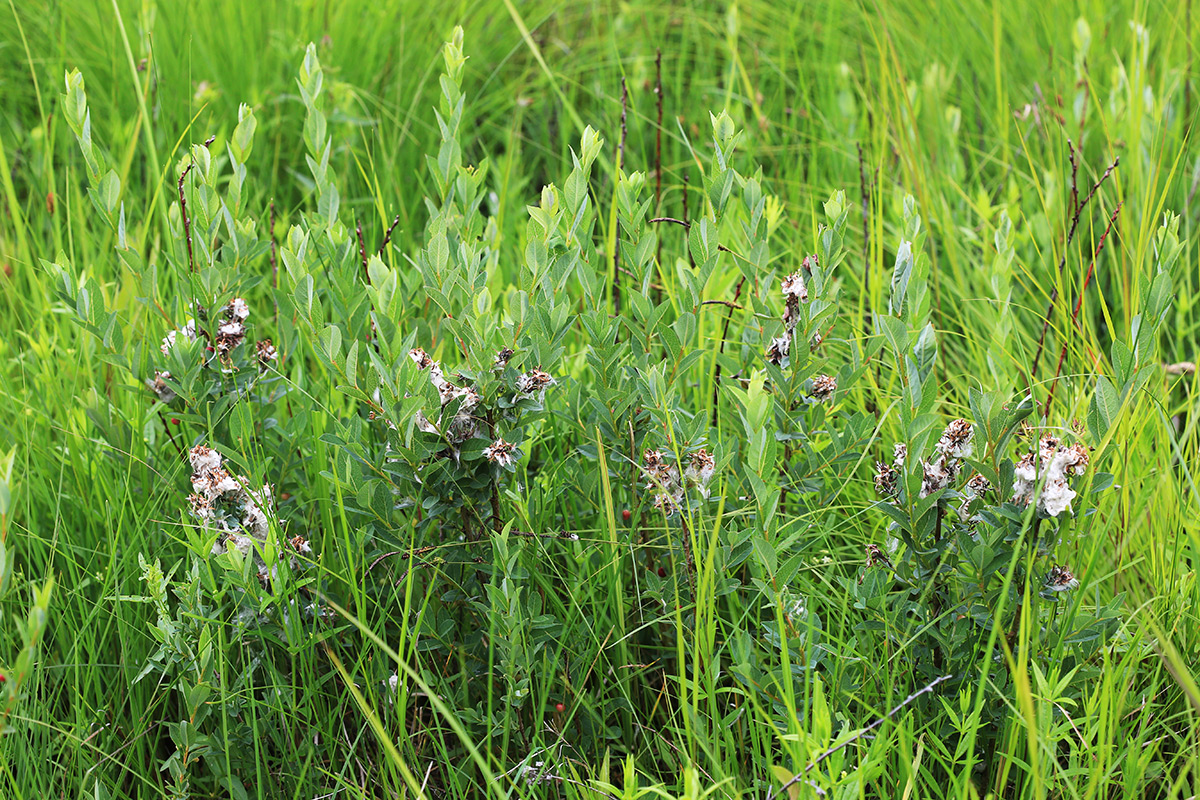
point(979, 509)
point(204, 379)
point(450, 394)
point(199, 364)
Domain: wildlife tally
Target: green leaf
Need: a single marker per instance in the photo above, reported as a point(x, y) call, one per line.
point(925, 351)
point(109, 191)
point(241, 425)
point(243, 135)
point(901, 275)
point(330, 341)
point(1106, 404)
point(304, 294)
point(895, 332)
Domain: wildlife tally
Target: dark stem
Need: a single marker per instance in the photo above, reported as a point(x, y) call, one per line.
point(1078, 305)
point(726, 303)
point(387, 237)
point(783, 475)
point(274, 263)
point(658, 99)
point(737, 293)
point(187, 223)
point(570, 537)
point(688, 226)
point(865, 191)
point(465, 516)
point(1072, 155)
point(1063, 261)
point(362, 249)
point(686, 223)
point(616, 284)
point(497, 525)
point(170, 435)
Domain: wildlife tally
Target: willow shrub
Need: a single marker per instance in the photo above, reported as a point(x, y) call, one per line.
point(485, 406)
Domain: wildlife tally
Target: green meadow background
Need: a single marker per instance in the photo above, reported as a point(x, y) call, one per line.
point(967, 106)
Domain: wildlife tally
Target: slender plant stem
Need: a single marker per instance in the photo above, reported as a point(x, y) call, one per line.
point(737, 293)
point(387, 237)
point(187, 223)
point(686, 220)
point(1063, 261)
point(1078, 305)
point(616, 284)
point(362, 249)
point(274, 263)
point(658, 99)
point(865, 191)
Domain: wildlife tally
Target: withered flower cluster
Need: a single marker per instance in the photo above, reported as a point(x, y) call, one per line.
point(230, 334)
point(223, 501)
point(668, 486)
point(1058, 465)
point(462, 424)
point(795, 292)
point(954, 445)
point(1060, 579)
point(501, 453)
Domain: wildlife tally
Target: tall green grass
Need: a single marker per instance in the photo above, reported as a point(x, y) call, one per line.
point(968, 106)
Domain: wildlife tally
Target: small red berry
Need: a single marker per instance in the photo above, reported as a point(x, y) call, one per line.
point(209, 349)
point(559, 707)
point(626, 515)
point(662, 573)
point(174, 420)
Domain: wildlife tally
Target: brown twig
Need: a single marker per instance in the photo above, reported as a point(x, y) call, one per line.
point(866, 216)
point(658, 99)
point(170, 435)
point(737, 293)
point(800, 776)
point(616, 285)
point(570, 537)
point(362, 250)
point(187, 223)
point(688, 226)
point(727, 303)
point(686, 223)
point(387, 237)
point(631, 276)
point(1063, 261)
point(1092, 266)
point(274, 263)
point(497, 524)
point(1072, 156)
point(1062, 355)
